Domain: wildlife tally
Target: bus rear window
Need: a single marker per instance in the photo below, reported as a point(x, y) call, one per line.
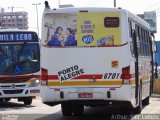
point(111, 22)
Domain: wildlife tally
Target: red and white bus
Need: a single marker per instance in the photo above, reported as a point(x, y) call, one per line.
point(95, 56)
point(19, 65)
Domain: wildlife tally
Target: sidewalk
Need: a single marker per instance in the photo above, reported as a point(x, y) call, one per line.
point(155, 95)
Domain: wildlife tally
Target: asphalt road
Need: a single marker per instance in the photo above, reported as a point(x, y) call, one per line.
point(14, 110)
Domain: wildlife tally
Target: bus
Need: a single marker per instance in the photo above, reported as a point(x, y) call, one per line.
point(19, 65)
point(95, 57)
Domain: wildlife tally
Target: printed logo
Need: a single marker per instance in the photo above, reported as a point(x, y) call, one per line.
point(18, 69)
point(13, 85)
point(88, 39)
point(115, 64)
point(70, 73)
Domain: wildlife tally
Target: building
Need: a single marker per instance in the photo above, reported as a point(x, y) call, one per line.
point(157, 53)
point(151, 18)
point(13, 20)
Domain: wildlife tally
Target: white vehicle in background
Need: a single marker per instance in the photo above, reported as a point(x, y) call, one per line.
point(95, 56)
point(19, 65)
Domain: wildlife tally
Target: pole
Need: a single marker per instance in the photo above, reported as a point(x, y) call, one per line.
point(36, 4)
point(12, 8)
point(58, 2)
point(114, 3)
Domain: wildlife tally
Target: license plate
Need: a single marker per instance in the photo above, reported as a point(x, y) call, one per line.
point(85, 95)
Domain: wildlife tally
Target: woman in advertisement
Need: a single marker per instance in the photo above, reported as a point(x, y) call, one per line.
point(70, 41)
point(59, 39)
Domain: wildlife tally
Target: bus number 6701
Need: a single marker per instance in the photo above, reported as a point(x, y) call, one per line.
point(111, 75)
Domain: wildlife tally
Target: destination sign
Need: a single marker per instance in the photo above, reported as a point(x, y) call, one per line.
point(111, 22)
point(18, 37)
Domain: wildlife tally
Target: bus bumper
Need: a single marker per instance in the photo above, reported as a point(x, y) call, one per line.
point(102, 95)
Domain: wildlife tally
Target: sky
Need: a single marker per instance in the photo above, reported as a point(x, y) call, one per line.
point(134, 6)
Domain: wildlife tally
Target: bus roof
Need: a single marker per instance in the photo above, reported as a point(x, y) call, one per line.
point(15, 30)
point(97, 9)
point(81, 9)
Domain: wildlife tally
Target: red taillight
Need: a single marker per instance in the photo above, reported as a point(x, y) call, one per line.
point(126, 73)
point(126, 76)
point(44, 76)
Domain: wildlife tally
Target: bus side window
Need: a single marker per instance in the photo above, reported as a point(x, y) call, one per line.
point(145, 40)
point(143, 33)
point(142, 39)
point(131, 34)
point(148, 45)
point(138, 39)
point(130, 28)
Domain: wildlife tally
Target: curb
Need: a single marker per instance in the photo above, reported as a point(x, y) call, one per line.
point(155, 95)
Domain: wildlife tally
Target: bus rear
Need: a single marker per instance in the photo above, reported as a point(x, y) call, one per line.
point(19, 65)
point(86, 58)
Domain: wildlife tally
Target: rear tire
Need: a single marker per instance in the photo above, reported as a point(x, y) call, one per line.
point(146, 101)
point(27, 101)
point(138, 109)
point(125, 110)
point(7, 99)
point(66, 108)
point(78, 109)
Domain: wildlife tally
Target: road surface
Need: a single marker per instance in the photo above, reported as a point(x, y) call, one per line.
point(14, 110)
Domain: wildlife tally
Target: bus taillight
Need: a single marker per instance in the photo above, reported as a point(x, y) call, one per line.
point(126, 75)
point(44, 76)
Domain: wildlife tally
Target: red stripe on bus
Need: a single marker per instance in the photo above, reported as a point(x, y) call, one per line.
point(89, 76)
point(93, 76)
point(114, 45)
point(53, 77)
point(14, 77)
point(84, 46)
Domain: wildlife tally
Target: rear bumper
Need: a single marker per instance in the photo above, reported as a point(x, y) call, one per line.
point(95, 103)
point(122, 96)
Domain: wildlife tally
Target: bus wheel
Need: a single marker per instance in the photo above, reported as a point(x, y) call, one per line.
point(66, 108)
point(125, 110)
point(27, 100)
point(138, 109)
point(78, 109)
point(146, 101)
point(7, 99)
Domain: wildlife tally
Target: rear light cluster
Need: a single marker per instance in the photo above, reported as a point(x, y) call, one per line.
point(44, 76)
point(34, 91)
point(126, 76)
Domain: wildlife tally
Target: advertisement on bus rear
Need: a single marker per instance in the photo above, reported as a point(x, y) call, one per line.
point(98, 29)
point(84, 29)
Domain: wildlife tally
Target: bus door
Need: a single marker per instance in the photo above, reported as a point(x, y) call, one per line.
point(135, 47)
